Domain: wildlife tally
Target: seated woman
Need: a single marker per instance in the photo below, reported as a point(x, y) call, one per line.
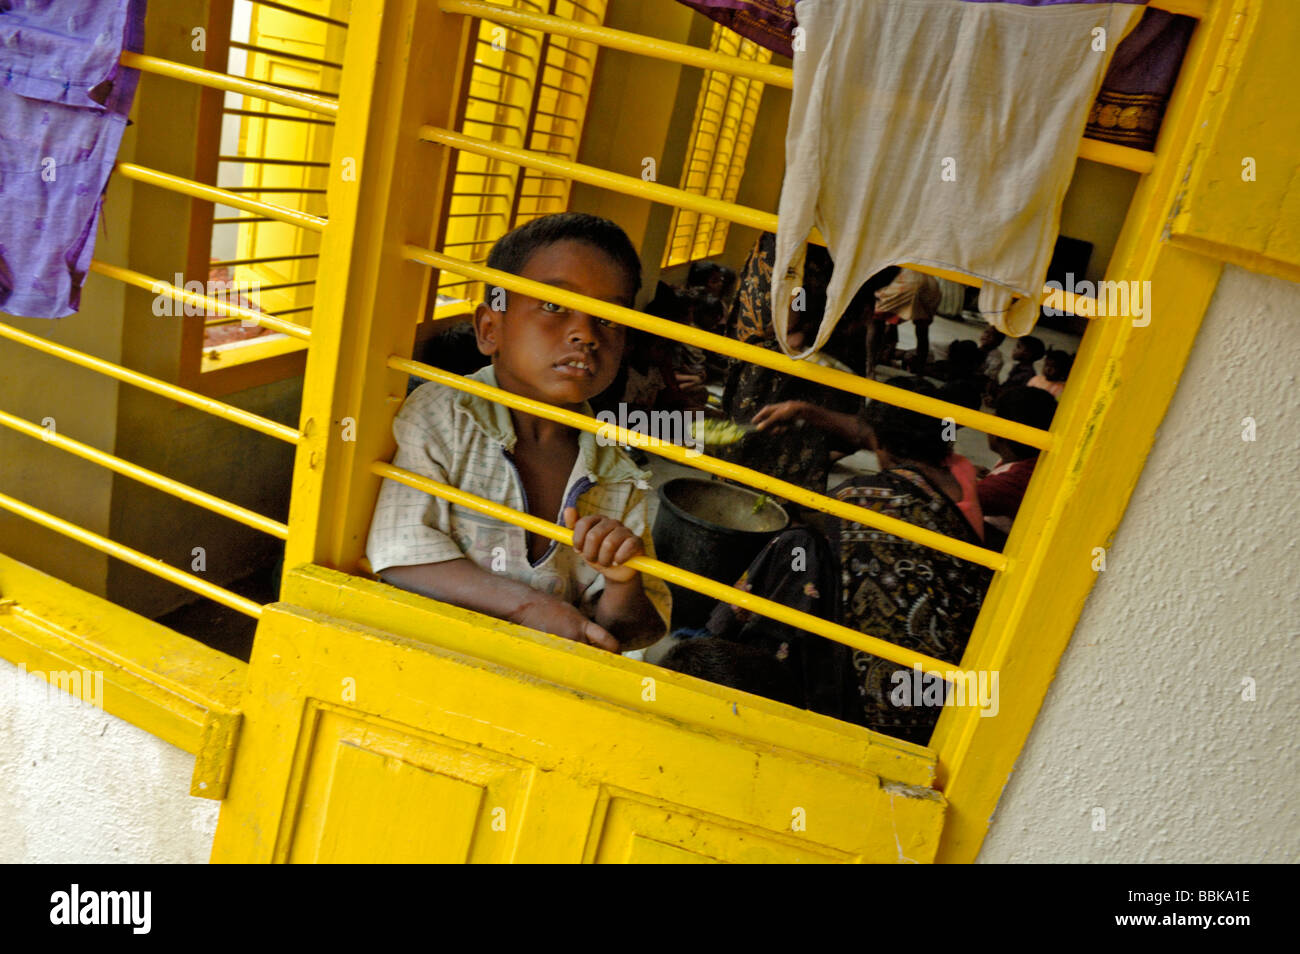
point(868, 580)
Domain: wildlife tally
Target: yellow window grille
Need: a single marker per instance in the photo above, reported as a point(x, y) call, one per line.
point(715, 159)
point(527, 89)
point(273, 153)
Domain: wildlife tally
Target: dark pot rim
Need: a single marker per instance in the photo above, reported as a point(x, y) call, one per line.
point(677, 511)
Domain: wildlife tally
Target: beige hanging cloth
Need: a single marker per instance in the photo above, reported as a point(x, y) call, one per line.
point(940, 133)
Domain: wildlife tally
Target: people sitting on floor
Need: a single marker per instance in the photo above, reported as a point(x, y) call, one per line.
point(868, 580)
point(963, 382)
point(990, 342)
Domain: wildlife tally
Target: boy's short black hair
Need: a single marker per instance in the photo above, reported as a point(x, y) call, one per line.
point(513, 250)
point(964, 358)
point(1062, 361)
point(1032, 406)
point(1034, 346)
point(700, 272)
point(905, 433)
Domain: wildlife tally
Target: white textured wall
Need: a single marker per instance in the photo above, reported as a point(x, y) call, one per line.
point(78, 785)
point(1146, 718)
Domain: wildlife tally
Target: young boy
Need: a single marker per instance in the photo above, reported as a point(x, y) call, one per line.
point(1001, 491)
point(561, 356)
point(990, 340)
point(1027, 351)
point(1056, 368)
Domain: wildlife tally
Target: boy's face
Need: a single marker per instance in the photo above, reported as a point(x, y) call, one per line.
point(988, 339)
point(548, 352)
point(1021, 353)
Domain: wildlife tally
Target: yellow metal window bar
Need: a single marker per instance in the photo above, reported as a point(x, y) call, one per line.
point(174, 487)
point(664, 571)
point(134, 557)
point(209, 303)
point(184, 396)
point(232, 84)
point(830, 377)
point(198, 190)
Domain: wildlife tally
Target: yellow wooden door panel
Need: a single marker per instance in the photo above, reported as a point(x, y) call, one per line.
point(374, 792)
point(637, 830)
point(1242, 202)
point(363, 746)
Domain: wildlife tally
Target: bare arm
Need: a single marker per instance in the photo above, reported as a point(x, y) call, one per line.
point(850, 430)
point(626, 611)
point(464, 583)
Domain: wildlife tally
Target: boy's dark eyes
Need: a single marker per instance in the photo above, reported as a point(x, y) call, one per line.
point(555, 309)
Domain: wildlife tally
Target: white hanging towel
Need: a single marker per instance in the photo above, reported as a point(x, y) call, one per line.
point(938, 132)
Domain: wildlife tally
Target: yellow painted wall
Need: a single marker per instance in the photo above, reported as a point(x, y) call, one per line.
point(641, 107)
point(189, 445)
point(635, 112)
point(83, 405)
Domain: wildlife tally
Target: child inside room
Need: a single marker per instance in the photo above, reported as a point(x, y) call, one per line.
point(1056, 368)
point(1002, 488)
point(1027, 352)
point(561, 356)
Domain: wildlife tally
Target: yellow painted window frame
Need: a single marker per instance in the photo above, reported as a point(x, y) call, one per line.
point(1117, 394)
point(721, 130)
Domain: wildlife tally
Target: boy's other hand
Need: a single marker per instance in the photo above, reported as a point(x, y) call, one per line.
point(561, 619)
point(784, 414)
point(605, 544)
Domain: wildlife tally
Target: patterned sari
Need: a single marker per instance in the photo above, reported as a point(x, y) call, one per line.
point(904, 593)
point(873, 582)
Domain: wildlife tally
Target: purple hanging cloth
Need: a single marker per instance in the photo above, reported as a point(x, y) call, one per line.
point(769, 23)
point(1140, 80)
point(64, 102)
